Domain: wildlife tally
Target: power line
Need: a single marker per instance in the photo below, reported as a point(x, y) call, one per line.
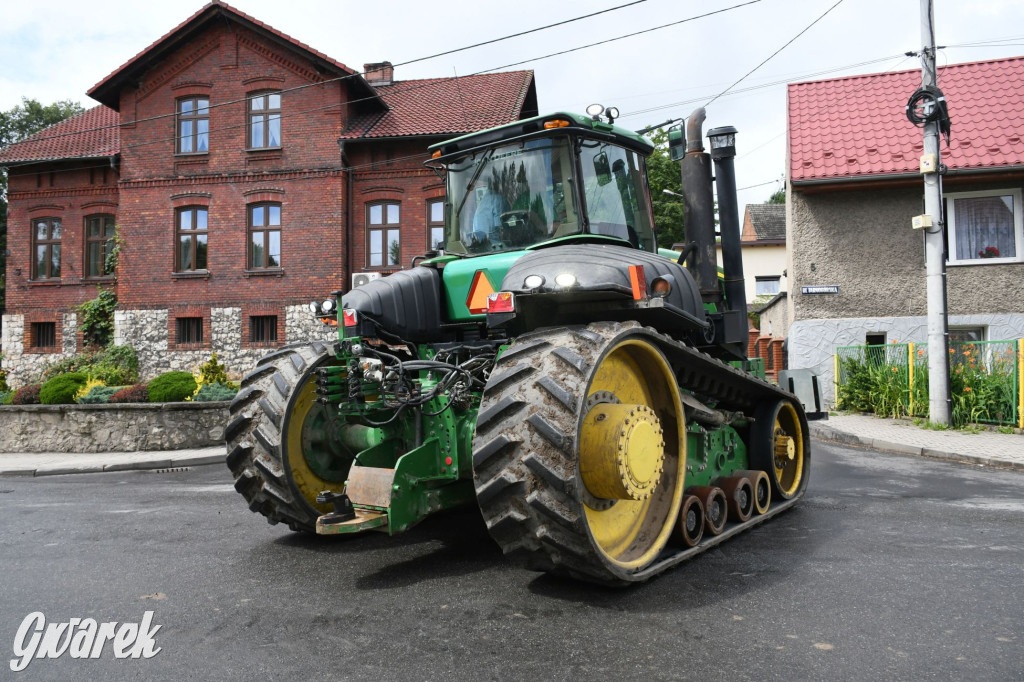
point(788, 43)
point(762, 86)
point(360, 73)
point(393, 92)
point(627, 35)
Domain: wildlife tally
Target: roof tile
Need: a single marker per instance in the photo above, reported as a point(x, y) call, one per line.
point(91, 134)
point(445, 106)
point(854, 127)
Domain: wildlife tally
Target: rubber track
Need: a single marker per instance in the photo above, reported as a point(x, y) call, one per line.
point(253, 435)
point(524, 448)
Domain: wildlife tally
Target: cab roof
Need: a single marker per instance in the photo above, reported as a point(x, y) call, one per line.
point(571, 123)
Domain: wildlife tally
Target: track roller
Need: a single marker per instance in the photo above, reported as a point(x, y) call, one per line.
point(762, 488)
point(739, 495)
point(715, 506)
point(690, 525)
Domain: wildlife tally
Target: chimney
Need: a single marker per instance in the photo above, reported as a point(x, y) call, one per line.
point(380, 73)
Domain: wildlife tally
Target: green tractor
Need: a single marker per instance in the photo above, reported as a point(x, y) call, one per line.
point(588, 390)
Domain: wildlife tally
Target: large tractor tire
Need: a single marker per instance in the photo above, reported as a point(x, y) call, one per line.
point(279, 442)
point(579, 451)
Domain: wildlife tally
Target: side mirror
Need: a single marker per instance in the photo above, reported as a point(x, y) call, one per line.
point(602, 169)
point(676, 143)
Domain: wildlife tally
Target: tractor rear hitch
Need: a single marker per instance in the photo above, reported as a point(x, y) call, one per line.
point(343, 509)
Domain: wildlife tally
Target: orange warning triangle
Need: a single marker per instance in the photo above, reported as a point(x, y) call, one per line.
point(478, 293)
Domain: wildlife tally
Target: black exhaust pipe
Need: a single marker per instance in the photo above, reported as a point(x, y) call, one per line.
point(699, 210)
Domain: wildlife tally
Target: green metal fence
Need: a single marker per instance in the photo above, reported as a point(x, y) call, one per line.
point(986, 381)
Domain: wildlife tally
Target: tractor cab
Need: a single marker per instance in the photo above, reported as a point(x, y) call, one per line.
point(536, 181)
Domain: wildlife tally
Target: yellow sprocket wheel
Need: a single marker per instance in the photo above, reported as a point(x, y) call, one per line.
point(579, 451)
point(780, 446)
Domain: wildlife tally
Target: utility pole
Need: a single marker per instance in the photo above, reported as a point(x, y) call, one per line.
point(934, 238)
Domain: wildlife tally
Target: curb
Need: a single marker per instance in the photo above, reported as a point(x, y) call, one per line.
point(67, 467)
point(825, 433)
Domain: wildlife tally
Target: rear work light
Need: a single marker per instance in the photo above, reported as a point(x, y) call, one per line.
point(501, 302)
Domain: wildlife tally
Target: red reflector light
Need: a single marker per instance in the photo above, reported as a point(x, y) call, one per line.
point(350, 317)
point(638, 282)
point(501, 302)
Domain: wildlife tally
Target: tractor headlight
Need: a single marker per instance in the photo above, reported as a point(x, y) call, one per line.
point(314, 307)
point(533, 282)
point(327, 306)
point(565, 279)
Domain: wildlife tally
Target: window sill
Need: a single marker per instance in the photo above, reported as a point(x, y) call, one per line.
point(192, 155)
point(194, 274)
point(44, 350)
point(263, 149)
point(267, 272)
point(44, 282)
point(985, 261)
point(98, 279)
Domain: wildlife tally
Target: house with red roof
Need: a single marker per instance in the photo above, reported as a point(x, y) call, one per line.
point(856, 267)
point(243, 174)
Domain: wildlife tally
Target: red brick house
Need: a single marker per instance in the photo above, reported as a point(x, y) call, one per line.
point(246, 174)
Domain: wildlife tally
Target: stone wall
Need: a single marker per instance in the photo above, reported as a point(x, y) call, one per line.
point(25, 367)
point(111, 428)
point(148, 331)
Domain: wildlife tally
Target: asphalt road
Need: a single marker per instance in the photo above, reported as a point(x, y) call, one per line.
point(892, 567)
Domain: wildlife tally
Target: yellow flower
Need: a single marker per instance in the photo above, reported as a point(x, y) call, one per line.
point(895, 369)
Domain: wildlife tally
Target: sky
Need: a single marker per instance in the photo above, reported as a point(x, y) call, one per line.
point(59, 49)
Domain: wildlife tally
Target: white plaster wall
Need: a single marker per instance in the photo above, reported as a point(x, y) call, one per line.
point(761, 261)
point(812, 343)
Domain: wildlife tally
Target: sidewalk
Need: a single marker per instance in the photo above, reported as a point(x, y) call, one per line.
point(53, 463)
point(987, 448)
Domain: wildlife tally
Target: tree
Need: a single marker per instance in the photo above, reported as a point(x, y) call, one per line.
point(16, 124)
point(779, 197)
point(663, 173)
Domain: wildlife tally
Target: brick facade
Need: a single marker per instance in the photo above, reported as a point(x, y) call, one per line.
point(318, 184)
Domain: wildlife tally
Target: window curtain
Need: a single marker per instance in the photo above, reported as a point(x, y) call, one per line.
point(983, 222)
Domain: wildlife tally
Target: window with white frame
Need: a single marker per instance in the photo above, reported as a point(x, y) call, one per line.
point(985, 227)
point(766, 286)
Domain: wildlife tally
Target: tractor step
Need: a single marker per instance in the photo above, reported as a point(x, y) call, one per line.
point(365, 519)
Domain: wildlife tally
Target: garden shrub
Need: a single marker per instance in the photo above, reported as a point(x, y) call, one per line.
point(116, 365)
point(111, 365)
point(139, 393)
point(61, 389)
point(27, 395)
point(100, 395)
point(212, 372)
point(6, 397)
point(172, 387)
point(213, 392)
